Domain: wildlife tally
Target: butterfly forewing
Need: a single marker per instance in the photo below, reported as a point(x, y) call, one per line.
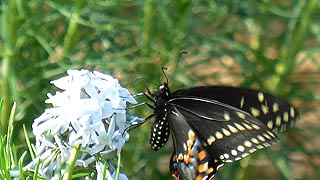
point(272, 111)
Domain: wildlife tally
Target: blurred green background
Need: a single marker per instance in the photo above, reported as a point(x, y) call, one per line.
point(268, 45)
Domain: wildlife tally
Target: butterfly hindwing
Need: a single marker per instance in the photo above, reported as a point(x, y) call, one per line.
point(231, 135)
point(190, 159)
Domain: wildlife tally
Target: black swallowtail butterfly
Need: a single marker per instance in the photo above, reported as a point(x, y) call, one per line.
point(213, 125)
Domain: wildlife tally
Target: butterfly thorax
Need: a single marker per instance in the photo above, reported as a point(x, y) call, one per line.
point(161, 98)
point(160, 129)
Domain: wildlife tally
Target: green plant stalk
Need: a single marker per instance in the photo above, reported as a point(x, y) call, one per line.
point(21, 161)
point(244, 171)
point(104, 170)
point(9, 145)
point(148, 21)
point(36, 170)
point(4, 160)
point(70, 38)
point(7, 149)
point(71, 162)
point(284, 168)
point(118, 167)
point(5, 94)
point(28, 143)
point(9, 26)
point(294, 42)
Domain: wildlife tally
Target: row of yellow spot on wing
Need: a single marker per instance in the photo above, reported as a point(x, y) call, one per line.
point(264, 108)
point(260, 99)
point(250, 146)
point(260, 141)
point(281, 121)
point(232, 129)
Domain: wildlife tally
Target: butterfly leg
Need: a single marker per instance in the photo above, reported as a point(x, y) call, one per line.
point(137, 124)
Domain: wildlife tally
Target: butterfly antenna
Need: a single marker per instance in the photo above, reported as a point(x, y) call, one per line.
point(177, 62)
point(164, 74)
point(142, 78)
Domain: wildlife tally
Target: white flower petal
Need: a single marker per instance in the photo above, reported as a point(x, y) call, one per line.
point(121, 121)
point(106, 109)
point(112, 125)
point(103, 76)
point(125, 94)
point(62, 83)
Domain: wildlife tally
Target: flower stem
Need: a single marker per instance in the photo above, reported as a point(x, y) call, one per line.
point(118, 167)
point(298, 28)
point(71, 162)
point(148, 21)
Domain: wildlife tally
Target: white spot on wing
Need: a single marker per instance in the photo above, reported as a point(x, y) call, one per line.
point(234, 152)
point(211, 140)
point(255, 112)
point(232, 129)
point(241, 128)
point(248, 144)
point(260, 97)
point(227, 116)
point(247, 126)
point(285, 116)
point(241, 115)
point(264, 109)
point(240, 148)
point(242, 102)
point(254, 140)
point(261, 138)
point(226, 132)
point(275, 107)
point(270, 124)
point(278, 120)
point(219, 135)
point(292, 115)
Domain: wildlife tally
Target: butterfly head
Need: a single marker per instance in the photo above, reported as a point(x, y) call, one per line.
point(164, 89)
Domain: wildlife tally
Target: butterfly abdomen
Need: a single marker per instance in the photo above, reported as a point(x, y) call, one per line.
point(160, 130)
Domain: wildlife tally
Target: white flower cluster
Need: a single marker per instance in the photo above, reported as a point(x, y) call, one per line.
point(90, 111)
